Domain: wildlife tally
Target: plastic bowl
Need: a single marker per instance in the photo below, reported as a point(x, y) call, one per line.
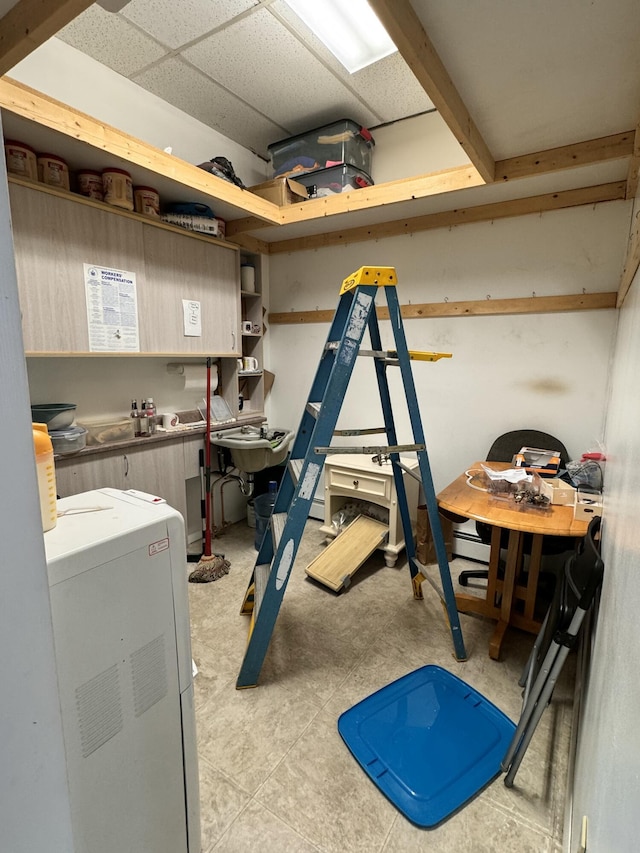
point(68, 440)
point(54, 415)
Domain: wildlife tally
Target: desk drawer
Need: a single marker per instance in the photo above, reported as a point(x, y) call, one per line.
point(359, 483)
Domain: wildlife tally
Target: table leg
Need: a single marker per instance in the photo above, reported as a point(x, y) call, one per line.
point(513, 550)
point(532, 577)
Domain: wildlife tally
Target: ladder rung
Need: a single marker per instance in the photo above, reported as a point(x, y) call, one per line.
point(371, 431)
point(411, 472)
point(278, 521)
point(391, 356)
point(295, 467)
point(374, 450)
point(260, 578)
point(314, 409)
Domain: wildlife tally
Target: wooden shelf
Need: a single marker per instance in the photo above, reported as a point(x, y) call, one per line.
point(440, 199)
point(119, 211)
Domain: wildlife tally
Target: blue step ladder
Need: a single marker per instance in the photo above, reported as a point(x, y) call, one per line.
point(355, 313)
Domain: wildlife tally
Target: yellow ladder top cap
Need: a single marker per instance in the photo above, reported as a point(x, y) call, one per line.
point(380, 276)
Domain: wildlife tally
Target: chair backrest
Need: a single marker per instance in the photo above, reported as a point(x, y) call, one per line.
point(507, 445)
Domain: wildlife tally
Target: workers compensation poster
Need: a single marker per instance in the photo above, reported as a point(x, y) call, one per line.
point(112, 309)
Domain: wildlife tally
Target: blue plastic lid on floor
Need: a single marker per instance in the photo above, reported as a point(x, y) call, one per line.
point(429, 741)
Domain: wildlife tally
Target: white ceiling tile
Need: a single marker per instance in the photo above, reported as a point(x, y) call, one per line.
point(110, 40)
point(266, 66)
point(391, 88)
point(387, 88)
point(175, 24)
point(181, 85)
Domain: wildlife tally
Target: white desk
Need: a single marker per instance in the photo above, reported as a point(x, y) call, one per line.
point(354, 476)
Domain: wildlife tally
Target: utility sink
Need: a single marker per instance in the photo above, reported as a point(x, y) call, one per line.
point(254, 448)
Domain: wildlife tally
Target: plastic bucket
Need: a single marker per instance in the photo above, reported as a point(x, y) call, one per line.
point(263, 507)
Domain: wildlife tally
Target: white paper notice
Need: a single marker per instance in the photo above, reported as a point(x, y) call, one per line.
point(112, 309)
point(192, 318)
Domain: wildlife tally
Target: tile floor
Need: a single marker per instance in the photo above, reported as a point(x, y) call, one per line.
point(275, 774)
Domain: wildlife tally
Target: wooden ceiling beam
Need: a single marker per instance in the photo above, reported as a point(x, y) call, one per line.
point(604, 149)
point(634, 165)
point(30, 23)
point(446, 219)
point(631, 262)
point(468, 308)
point(415, 47)
point(600, 150)
point(392, 192)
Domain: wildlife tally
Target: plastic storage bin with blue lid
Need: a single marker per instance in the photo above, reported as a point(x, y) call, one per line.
point(343, 141)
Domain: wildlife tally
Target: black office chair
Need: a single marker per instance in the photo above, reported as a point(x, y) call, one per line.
point(504, 449)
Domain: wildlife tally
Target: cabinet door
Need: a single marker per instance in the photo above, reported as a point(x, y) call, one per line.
point(53, 237)
point(180, 267)
point(99, 471)
point(158, 470)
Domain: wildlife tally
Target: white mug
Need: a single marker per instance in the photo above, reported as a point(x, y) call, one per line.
point(247, 326)
point(249, 363)
point(170, 420)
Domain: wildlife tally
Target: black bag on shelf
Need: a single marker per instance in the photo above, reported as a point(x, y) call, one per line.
point(222, 168)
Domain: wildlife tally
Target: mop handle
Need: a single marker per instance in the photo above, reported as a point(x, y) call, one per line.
point(207, 463)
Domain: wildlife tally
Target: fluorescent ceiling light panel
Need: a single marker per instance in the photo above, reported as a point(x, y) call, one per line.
point(349, 28)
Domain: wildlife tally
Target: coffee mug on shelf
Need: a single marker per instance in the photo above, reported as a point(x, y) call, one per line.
point(249, 363)
point(247, 327)
point(170, 419)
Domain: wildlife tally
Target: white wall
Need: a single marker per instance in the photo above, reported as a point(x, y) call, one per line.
point(545, 371)
point(67, 74)
point(34, 799)
point(414, 146)
point(608, 759)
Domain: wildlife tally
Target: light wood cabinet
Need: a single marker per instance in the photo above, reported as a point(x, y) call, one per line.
point(158, 469)
point(55, 235)
point(179, 268)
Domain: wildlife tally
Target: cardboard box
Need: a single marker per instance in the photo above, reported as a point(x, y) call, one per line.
point(281, 191)
point(588, 502)
point(546, 463)
point(558, 492)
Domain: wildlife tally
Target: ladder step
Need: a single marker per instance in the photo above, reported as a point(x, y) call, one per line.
point(314, 409)
point(373, 449)
point(278, 521)
point(295, 468)
point(260, 577)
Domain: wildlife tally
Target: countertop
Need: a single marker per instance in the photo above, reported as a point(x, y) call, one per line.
point(158, 437)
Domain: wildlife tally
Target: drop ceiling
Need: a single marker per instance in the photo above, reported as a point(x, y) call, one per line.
point(523, 78)
point(532, 75)
point(251, 70)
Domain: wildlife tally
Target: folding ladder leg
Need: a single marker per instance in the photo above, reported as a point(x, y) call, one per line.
point(423, 459)
point(293, 503)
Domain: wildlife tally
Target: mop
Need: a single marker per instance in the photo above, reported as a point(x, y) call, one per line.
point(210, 567)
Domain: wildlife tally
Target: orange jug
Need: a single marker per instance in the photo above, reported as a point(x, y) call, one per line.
point(46, 476)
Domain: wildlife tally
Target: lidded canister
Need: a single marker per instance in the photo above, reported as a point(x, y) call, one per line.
point(21, 160)
point(147, 201)
point(118, 188)
point(53, 171)
point(46, 476)
point(90, 184)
